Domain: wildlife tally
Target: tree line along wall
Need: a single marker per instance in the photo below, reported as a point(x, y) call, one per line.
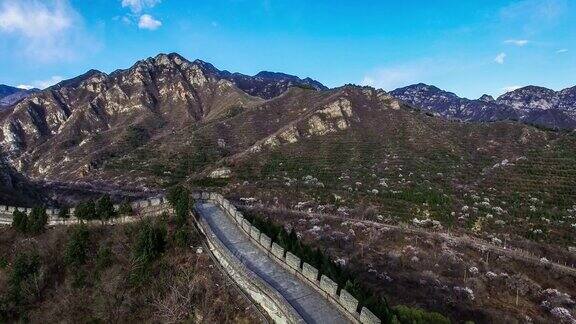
point(288, 260)
point(7, 211)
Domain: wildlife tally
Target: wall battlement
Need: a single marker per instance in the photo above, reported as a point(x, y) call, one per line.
point(331, 291)
point(6, 212)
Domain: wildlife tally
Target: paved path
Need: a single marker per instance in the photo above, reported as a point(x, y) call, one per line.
point(307, 301)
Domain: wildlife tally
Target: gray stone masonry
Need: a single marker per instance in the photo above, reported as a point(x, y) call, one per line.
point(278, 251)
point(348, 301)
point(246, 225)
point(3, 208)
point(232, 209)
point(367, 317)
point(155, 201)
point(205, 196)
point(196, 195)
point(310, 272)
point(265, 241)
point(293, 261)
point(239, 217)
point(11, 209)
point(329, 286)
point(255, 233)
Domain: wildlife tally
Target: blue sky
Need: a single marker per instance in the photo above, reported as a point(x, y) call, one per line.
point(468, 47)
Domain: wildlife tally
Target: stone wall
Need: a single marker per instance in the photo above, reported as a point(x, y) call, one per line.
point(342, 298)
point(146, 207)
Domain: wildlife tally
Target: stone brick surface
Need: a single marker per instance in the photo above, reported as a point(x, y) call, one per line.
point(265, 241)
point(293, 261)
point(310, 272)
point(239, 217)
point(246, 225)
point(367, 317)
point(277, 250)
point(255, 233)
point(328, 285)
point(348, 301)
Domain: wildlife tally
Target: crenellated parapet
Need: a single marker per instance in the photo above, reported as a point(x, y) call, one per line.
point(321, 282)
point(144, 207)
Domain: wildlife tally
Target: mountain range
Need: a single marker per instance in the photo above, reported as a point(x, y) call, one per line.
point(75, 126)
point(531, 104)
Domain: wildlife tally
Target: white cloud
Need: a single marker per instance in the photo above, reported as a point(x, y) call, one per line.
point(511, 88)
point(500, 58)
point(517, 42)
point(137, 6)
point(43, 84)
point(34, 19)
point(563, 50)
point(42, 30)
point(148, 22)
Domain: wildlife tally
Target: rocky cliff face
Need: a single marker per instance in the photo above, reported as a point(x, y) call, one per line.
point(535, 105)
point(40, 131)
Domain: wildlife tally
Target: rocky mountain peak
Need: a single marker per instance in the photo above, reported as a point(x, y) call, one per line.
point(79, 80)
point(530, 97)
point(487, 98)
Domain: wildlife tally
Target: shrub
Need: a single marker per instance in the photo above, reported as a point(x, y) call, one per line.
point(37, 220)
point(179, 198)
point(409, 315)
point(24, 268)
point(150, 243)
point(76, 252)
point(181, 238)
point(136, 136)
point(104, 257)
point(20, 221)
point(86, 210)
point(105, 208)
point(125, 208)
point(34, 223)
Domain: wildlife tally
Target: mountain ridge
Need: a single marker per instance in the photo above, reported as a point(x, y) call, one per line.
point(10, 95)
point(532, 104)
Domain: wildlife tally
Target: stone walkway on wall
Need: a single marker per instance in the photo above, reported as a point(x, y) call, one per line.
point(307, 301)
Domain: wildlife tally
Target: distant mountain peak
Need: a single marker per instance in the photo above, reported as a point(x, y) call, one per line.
point(487, 98)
